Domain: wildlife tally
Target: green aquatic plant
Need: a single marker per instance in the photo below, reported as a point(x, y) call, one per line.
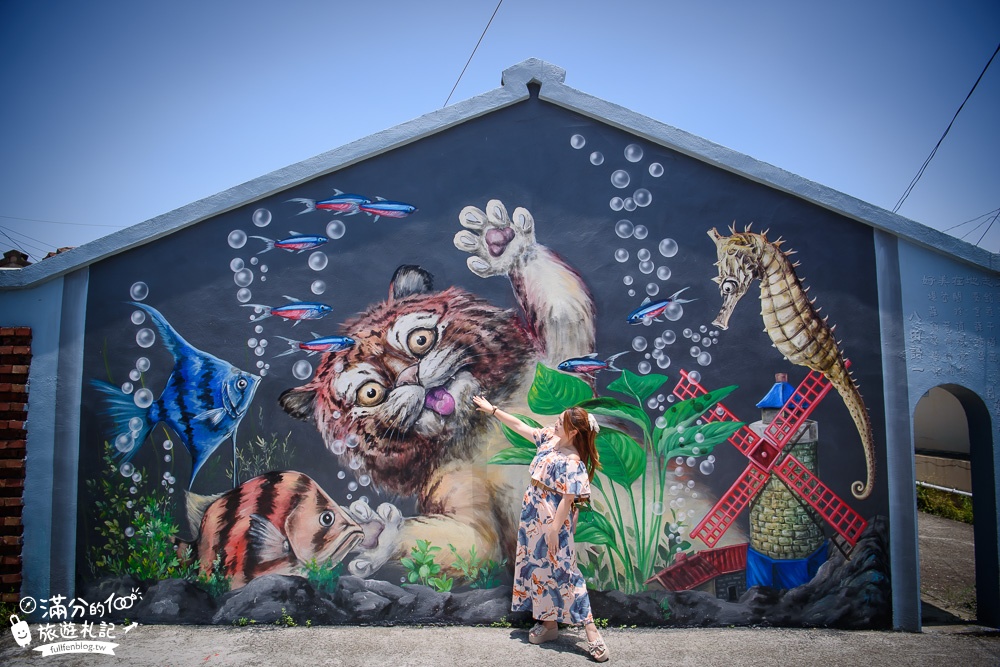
point(260, 456)
point(323, 576)
point(421, 568)
point(478, 572)
point(215, 583)
point(629, 525)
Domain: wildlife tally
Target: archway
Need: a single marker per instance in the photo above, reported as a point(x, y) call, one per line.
point(953, 438)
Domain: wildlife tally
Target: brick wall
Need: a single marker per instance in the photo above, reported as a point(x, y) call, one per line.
point(15, 356)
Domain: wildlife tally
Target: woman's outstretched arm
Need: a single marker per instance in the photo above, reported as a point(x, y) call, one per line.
point(512, 422)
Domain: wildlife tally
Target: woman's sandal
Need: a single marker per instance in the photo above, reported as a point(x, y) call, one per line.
point(598, 650)
point(540, 634)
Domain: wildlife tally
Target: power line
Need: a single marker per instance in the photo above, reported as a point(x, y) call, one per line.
point(57, 222)
point(920, 172)
point(988, 228)
point(472, 54)
point(14, 231)
point(981, 215)
point(15, 243)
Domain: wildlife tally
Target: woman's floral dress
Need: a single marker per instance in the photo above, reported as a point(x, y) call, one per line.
point(551, 588)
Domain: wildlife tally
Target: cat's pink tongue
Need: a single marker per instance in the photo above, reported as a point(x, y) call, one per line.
point(440, 401)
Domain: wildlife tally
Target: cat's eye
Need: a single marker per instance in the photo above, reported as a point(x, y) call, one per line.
point(370, 393)
point(420, 341)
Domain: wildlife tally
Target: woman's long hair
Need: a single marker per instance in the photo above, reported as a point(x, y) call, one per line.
point(584, 438)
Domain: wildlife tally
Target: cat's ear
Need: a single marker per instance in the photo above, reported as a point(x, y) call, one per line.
point(298, 402)
point(409, 280)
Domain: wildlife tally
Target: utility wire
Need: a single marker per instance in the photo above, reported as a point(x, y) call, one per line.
point(920, 173)
point(57, 222)
point(981, 215)
point(472, 54)
point(988, 228)
point(15, 243)
point(14, 231)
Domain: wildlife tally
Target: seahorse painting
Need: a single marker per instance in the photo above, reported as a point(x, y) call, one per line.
point(791, 320)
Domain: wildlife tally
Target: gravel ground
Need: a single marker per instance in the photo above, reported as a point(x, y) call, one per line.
point(947, 569)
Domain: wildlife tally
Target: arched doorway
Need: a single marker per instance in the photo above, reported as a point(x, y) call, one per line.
point(953, 438)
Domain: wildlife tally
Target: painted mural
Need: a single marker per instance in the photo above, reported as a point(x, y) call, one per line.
point(279, 419)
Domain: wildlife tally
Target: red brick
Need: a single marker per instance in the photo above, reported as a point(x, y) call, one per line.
point(21, 349)
point(11, 521)
point(11, 483)
point(6, 349)
point(12, 502)
point(8, 579)
point(11, 540)
point(10, 561)
point(23, 331)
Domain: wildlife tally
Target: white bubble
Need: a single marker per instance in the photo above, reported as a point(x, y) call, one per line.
point(139, 291)
point(703, 328)
point(644, 367)
point(355, 463)
point(646, 267)
point(127, 469)
point(133, 490)
point(364, 480)
point(668, 336)
point(259, 351)
point(135, 424)
point(143, 398)
point(660, 422)
point(338, 447)
point(627, 280)
point(168, 445)
point(629, 204)
point(621, 255)
point(137, 477)
point(631, 292)
point(695, 337)
point(263, 269)
point(127, 387)
point(318, 287)
point(336, 414)
point(352, 486)
point(577, 141)
point(134, 375)
point(138, 317)
point(335, 229)
point(640, 232)
point(664, 362)
point(142, 364)
point(352, 441)
point(704, 359)
point(254, 261)
point(642, 197)
point(678, 471)
point(318, 261)
point(302, 369)
point(145, 337)
point(706, 467)
point(706, 342)
point(719, 410)
point(620, 178)
point(668, 247)
point(643, 254)
point(338, 367)
point(616, 203)
point(698, 437)
point(657, 508)
point(341, 474)
point(663, 273)
point(236, 265)
point(237, 238)
point(596, 158)
point(251, 343)
point(638, 343)
point(673, 312)
point(652, 289)
point(694, 376)
point(243, 277)
point(633, 152)
point(130, 531)
point(648, 356)
point(263, 342)
point(243, 295)
point(656, 170)
point(262, 217)
point(624, 228)
point(711, 457)
point(686, 333)
point(689, 461)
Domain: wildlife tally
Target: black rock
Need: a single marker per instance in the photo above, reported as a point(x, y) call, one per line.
point(479, 606)
point(271, 597)
point(174, 602)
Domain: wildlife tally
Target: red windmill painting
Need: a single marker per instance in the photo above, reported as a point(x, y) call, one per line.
point(767, 457)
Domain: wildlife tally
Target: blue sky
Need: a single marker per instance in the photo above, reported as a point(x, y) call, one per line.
point(115, 112)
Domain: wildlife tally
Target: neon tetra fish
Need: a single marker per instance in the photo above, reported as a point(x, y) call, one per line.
point(295, 243)
point(387, 209)
point(297, 310)
point(272, 524)
point(341, 202)
point(651, 311)
point(590, 364)
point(317, 344)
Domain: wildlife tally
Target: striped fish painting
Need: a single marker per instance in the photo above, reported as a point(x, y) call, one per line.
point(203, 402)
point(272, 524)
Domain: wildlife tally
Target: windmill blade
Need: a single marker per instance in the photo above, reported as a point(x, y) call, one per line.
point(744, 439)
point(711, 529)
point(845, 521)
point(785, 425)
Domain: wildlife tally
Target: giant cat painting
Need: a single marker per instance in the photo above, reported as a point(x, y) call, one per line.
point(403, 393)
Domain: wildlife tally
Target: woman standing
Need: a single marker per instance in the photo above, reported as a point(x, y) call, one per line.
point(546, 579)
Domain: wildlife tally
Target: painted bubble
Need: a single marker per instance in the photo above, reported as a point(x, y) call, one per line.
point(624, 228)
point(341, 474)
point(658, 343)
point(258, 329)
point(262, 217)
point(237, 238)
point(686, 333)
point(638, 343)
point(263, 269)
point(259, 351)
point(704, 359)
point(690, 461)
point(143, 398)
point(124, 443)
point(656, 170)
point(694, 376)
point(642, 197)
point(627, 280)
point(640, 232)
point(127, 387)
point(660, 422)
point(620, 178)
point(706, 467)
point(260, 364)
point(633, 152)
point(352, 441)
point(703, 328)
point(596, 158)
point(139, 291)
point(142, 364)
point(263, 342)
point(137, 477)
point(251, 343)
point(668, 336)
point(317, 287)
point(646, 267)
point(720, 411)
point(138, 317)
point(318, 261)
point(652, 403)
point(254, 261)
point(127, 469)
point(134, 375)
point(616, 203)
point(145, 337)
point(243, 277)
point(658, 352)
point(135, 424)
point(643, 254)
point(657, 508)
point(695, 337)
point(631, 292)
point(168, 445)
point(355, 463)
point(236, 264)
point(674, 311)
point(664, 362)
point(243, 295)
point(711, 457)
point(364, 480)
point(338, 447)
point(644, 367)
point(652, 289)
point(352, 486)
point(698, 437)
point(668, 247)
point(706, 342)
point(663, 273)
point(577, 141)
point(621, 255)
point(629, 204)
point(130, 531)
point(336, 229)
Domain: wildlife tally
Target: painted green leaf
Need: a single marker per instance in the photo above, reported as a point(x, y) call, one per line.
point(612, 407)
point(689, 410)
point(552, 391)
point(713, 433)
point(622, 460)
point(639, 387)
point(513, 456)
point(515, 439)
point(594, 528)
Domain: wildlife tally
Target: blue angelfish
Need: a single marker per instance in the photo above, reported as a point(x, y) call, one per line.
point(203, 402)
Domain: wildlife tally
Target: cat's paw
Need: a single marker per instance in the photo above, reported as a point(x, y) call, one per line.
point(381, 528)
point(497, 242)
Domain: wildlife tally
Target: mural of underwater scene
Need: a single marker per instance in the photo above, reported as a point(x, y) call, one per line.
point(278, 419)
